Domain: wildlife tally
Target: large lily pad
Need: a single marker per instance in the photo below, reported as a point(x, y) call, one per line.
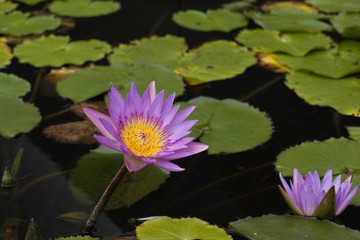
point(334, 63)
point(7, 6)
point(212, 61)
point(341, 94)
point(336, 5)
point(13, 86)
point(297, 44)
point(290, 21)
point(339, 154)
point(57, 50)
point(177, 229)
point(16, 116)
point(212, 20)
point(347, 24)
point(228, 125)
point(5, 54)
point(354, 132)
point(83, 8)
point(95, 170)
point(20, 24)
point(274, 227)
point(32, 2)
point(91, 82)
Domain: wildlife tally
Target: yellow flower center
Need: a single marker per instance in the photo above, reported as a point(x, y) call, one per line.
point(143, 137)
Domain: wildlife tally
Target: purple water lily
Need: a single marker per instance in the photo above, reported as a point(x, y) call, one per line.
point(305, 195)
point(146, 129)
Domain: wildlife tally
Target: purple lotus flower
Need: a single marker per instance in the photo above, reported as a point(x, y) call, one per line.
point(146, 129)
point(310, 197)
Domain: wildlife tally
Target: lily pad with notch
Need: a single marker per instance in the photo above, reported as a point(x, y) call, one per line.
point(228, 125)
point(339, 154)
point(213, 20)
point(347, 24)
point(336, 5)
point(56, 51)
point(296, 44)
point(181, 228)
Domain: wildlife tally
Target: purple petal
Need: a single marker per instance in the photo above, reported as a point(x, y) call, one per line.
point(193, 148)
point(181, 130)
point(109, 128)
point(327, 180)
point(145, 104)
point(181, 116)
point(108, 142)
point(95, 116)
point(297, 179)
point(168, 166)
point(337, 183)
point(116, 104)
point(167, 104)
point(287, 189)
point(179, 144)
point(133, 164)
point(347, 201)
point(152, 90)
point(167, 117)
point(156, 105)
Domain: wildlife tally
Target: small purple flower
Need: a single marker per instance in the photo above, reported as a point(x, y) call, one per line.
point(309, 196)
point(146, 129)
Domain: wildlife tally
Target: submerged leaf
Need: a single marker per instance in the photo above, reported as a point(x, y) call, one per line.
point(20, 24)
point(339, 154)
point(347, 24)
point(16, 116)
point(84, 8)
point(182, 228)
point(5, 54)
point(292, 227)
point(74, 217)
point(57, 50)
point(336, 5)
point(297, 44)
point(228, 125)
point(95, 105)
point(13, 86)
point(212, 20)
point(94, 171)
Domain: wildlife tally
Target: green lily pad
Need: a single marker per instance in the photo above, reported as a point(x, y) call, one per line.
point(90, 82)
point(297, 44)
point(339, 154)
point(292, 21)
point(95, 170)
point(13, 86)
point(274, 227)
point(7, 7)
point(162, 228)
point(83, 8)
point(333, 63)
point(21, 24)
point(5, 54)
point(17, 116)
point(166, 50)
point(336, 5)
point(354, 132)
point(212, 61)
point(341, 94)
point(236, 6)
point(228, 125)
point(212, 20)
point(347, 24)
point(57, 50)
point(32, 2)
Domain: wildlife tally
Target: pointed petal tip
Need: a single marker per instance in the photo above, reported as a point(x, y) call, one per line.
point(133, 164)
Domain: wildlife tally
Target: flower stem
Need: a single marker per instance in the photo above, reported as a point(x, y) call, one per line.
point(95, 214)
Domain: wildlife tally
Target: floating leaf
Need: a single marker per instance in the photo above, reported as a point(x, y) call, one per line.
point(336, 5)
point(32, 2)
point(290, 6)
point(16, 116)
point(212, 20)
point(73, 132)
point(97, 80)
point(211, 61)
point(20, 24)
point(182, 228)
point(83, 8)
point(236, 6)
point(7, 7)
point(354, 132)
point(347, 24)
point(96, 105)
point(334, 63)
point(94, 172)
point(5, 54)
point(273, 227)
point(13, 86)
point(228, 125)
point(339, 154)
point(268, 61)
point(341, 94)
point(290, 21)
point(297, 44)
point(57, 50)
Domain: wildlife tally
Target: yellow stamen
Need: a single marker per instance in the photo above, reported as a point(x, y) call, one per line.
point(143, 137)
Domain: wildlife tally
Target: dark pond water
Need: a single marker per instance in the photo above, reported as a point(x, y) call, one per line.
point(215, 188)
